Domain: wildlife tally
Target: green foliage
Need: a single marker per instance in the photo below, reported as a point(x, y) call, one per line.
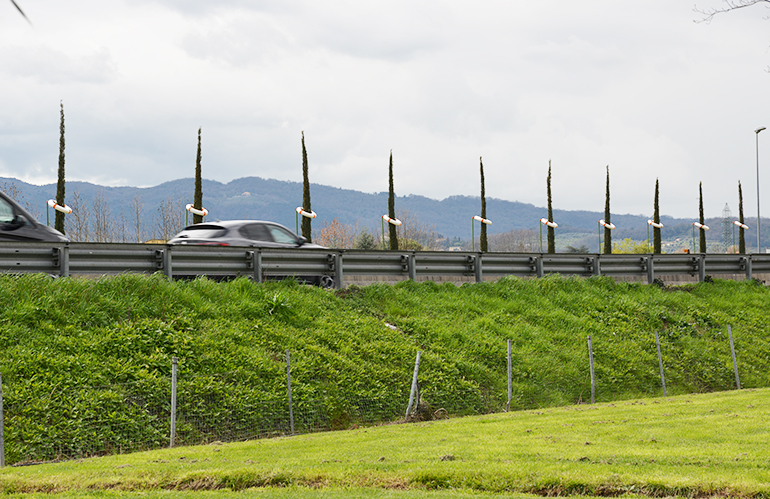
point(607, 232)
point(198, 197)
point(365, 240)
point(393, 236)
point(702, 220)
point(483, 243)
point(551, 235)
point(741, 235)
point(656, 218)
point(307, 231)
point(59, 221)
point(63, 337)
point(633, 247)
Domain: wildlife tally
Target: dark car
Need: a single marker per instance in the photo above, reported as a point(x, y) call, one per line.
point(254, 233)
point(16, 224)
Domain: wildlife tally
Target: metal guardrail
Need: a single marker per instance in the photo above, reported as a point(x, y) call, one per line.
point(331, 267)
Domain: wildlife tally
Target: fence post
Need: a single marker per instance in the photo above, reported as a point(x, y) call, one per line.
point(735, 363)
point(650, 270)
point(749, 274)
point(2, 426)
point(414, 384)
point(412, 266)
point(510, 387)
point(173, 401)
point(288, 379)
point(539, 265)
point(478, 269)
point(660, 363)
point(597, 261)
point(64, 261)
point(591, 362)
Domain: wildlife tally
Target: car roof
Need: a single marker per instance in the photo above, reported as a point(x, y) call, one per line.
point(229, 224)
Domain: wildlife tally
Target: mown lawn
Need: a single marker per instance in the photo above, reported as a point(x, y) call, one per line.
point(689, 445)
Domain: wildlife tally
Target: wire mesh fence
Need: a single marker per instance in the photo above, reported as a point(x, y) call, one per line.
point(161, 411)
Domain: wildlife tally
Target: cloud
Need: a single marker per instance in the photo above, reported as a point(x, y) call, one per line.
point(45, 65)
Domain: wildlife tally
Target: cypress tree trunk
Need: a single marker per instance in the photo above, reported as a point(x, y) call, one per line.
point(700, 219)
point(59, 223)
point(198, 200)
point(392, 207)
point(656, 219)
point(741, 236)
point(607, 232)
point(307, 231)
point(483, 237)
point(551, 236)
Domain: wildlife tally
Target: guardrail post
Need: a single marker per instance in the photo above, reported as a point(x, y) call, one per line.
point(650, 269)
point(749, 274)
point(597, 263)
point(339, 275)
point(167, 262)
point(412, 267)
point(539, 265)
point(256, 263)
point(702, 268)
point(173, 402)
point(479, 272)
point(64, 261)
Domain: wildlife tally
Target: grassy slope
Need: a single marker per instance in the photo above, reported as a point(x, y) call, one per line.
point(61, 335)
point(690, 445)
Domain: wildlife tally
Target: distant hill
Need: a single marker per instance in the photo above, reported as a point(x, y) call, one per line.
point(265, 199)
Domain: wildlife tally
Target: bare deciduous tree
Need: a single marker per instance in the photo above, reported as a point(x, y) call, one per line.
point(517, 240)
point(79, 224)
point(336, 235)
point(727, 6)
point(137, 207)
point(103, 224)
point(424, 235)
point(170, 218)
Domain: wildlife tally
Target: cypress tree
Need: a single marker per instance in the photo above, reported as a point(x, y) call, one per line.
point(607, 232)
point(551, 236)
point(59, 222)
point(198, 200)
point(656, 219)
point(700, 219)
point(741, 236)
point(483, 237)
point(306, 229)
point(392, 206)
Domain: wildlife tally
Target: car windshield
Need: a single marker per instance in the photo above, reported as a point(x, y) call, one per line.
point(6, 212)
point(201, 231)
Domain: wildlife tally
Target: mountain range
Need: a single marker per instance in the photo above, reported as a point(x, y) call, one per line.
point(266, 199)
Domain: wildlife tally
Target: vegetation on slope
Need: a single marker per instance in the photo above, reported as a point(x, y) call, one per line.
point(703, 445)
point(62, 337)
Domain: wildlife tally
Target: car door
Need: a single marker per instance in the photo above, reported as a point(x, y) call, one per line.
point(257, 235)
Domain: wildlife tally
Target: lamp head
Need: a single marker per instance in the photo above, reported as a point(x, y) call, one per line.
point(759, 130)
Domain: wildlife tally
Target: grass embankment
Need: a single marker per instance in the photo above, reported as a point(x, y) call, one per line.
point(700, 445)
point(60, 337)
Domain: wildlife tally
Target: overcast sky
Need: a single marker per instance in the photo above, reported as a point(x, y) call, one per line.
point(638, 86)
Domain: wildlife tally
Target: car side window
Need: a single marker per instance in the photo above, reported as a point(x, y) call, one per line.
point(6, 212)
point(255, 232)
point(281, 235)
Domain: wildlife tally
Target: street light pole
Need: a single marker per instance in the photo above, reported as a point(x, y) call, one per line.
point(756, 133)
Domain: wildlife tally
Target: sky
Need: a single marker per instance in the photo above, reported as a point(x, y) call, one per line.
point(638, 86)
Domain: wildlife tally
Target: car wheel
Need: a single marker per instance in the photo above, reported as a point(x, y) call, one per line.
point(326, 282)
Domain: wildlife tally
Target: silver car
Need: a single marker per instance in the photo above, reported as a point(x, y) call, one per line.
point(252, 233)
